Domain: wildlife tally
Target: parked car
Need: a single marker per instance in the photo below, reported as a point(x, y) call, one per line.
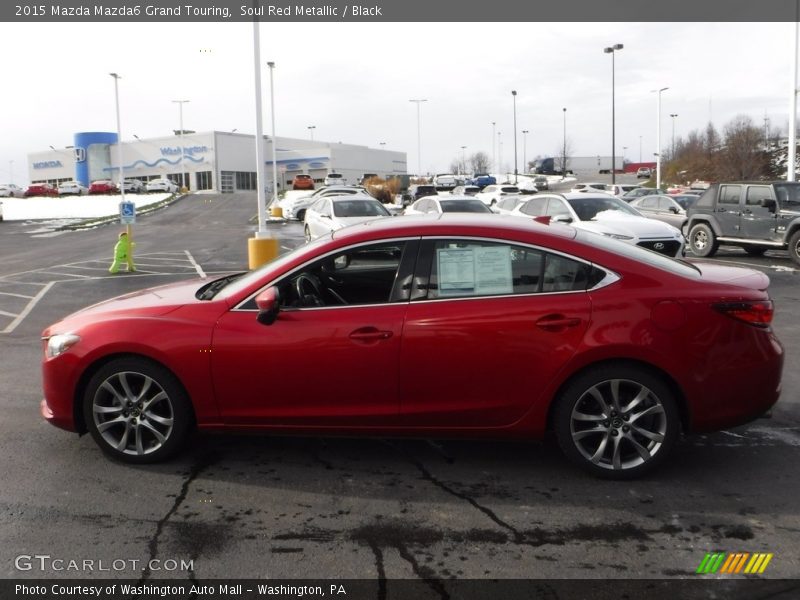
point(757, 216)
point(608, 216)
point(1, 211)
point(644, 173)
point(445, 204)
point(620, 190)
point(10, 190)
point(415, 192)
point(589, 187)
point(330, 213)
point(371, 325)
point(133, 186)
point(40, 189)
point(491, 194)
point(641, 191)
point(507, 204)
point(334, 179)
point(103, 186)
point(302, 182)
point(295, 207)
point(662, 208)
point(482, 180)
point(444, 182)
point(161, 185)
point(465, 190)
point(72, 188)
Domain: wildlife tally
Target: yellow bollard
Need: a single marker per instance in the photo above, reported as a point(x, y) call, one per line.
point(276, 211)
point(261, 251)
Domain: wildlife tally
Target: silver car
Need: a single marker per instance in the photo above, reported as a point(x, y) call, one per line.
point(663, 208)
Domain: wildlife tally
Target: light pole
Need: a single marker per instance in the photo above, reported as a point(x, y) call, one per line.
point(180, 104)
point(514, 96)
point(494, 147)
point(612, 50)
point(525, 133)
point(271, 66)
point(117, 77)
point(500, 152)
point(658, 136)
point(311, 129)
point(564, 148)
point(418, 101)
point(463, 165)
point(381, 144)
point(624, 148)
point(791, 158)
point(672, 152)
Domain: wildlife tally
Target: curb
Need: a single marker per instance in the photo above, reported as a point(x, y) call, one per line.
point(99, 221)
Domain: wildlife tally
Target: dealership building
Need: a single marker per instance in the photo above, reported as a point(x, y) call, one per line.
point(216, 160)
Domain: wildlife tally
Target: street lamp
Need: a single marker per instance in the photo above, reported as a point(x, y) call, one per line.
point(180, 104)
point(564, 149)
point(500, 152)
point(658, 136)
point(514, 96)
point(271, 66)
point(494, 147)
point(381, 144)
point(463, 165)
point(612, 50)
point(311, 128)
point(624, 148)
point(525, 133)
point(674, 116)
point(117, 77)
point(418, 101)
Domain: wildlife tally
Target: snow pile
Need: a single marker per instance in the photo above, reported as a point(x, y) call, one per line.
point(72, 207)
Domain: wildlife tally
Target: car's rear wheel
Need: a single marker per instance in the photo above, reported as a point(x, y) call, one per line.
point(702, 240)
point(617, 422)
point(137, 411)
point(301, 215)
point(794, 247)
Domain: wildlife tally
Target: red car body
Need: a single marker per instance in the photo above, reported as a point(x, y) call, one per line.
point(103, 186)
point(492, 366)
point(40, 189)
point(302, 182)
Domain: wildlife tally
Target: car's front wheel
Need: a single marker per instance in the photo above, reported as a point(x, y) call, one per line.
point(137, 411)
point(794, 247)
point(702, 240)
point(617, 422)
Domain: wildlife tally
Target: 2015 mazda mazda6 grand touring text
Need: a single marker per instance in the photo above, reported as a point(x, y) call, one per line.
point(436, 326)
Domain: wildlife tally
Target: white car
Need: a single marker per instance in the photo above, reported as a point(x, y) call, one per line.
point(492, 194)
point(508, 203)
point(606, 215)
point(294, 205)
point(133, 186)
point(161, 185)
point(72, 188)
point(334, 179)
point(444, 203)
point(589, 187)
point(445, 182)
point(9, 190)
point(330, 213)
point(620, 190)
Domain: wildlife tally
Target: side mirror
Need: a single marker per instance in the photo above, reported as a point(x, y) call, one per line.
point(768, 203)
point(562, 219)
point(268, 303)
point(673, 210)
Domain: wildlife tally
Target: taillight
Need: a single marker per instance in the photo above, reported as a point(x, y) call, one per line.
point(758, 313)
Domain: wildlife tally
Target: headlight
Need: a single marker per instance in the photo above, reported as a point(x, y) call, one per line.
point(60, 343)
point(618, 236)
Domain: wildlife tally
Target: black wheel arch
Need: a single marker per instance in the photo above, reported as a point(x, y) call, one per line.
point(704, 220)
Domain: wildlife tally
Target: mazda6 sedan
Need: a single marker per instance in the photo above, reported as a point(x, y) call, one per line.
point(454, 325)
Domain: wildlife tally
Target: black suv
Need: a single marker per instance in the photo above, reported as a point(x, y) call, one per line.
point(415, 192)
point(757, 216)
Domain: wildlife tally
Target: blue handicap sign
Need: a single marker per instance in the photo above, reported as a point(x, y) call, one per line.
point(127, 213)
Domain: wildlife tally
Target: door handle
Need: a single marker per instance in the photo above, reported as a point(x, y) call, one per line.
point(370, 334)
point(557, 322)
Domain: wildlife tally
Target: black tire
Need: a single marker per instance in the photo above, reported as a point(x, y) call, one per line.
point(702, 240)
point(755, 250)
point(794, 247)
point(307, 233)
point(301, 215)
point(587, 429)
point(145, 419)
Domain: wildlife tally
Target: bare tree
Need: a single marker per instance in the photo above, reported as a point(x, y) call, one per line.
point(742, 156)
point(479, 162)
point(562, 156)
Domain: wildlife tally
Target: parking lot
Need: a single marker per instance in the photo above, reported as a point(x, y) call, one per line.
point(434, 510)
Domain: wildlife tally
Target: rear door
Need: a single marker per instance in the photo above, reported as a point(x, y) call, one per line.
point(489, 325)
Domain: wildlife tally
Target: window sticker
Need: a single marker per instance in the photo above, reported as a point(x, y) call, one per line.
point(478, 270)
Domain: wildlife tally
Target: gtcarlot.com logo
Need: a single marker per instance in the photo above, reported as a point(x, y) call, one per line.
point(734, 563)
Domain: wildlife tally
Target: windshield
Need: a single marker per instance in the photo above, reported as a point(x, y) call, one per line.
point(587, 207)
point(788, 193)
point(359, 208)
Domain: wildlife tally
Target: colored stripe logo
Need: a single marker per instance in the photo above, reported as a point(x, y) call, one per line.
point(732, 563)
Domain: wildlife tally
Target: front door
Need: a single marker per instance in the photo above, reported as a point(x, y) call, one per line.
point(758, 222)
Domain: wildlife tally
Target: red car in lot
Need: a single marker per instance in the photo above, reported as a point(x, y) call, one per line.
point(454, 325)
point(40, 189)
point(302, 182)
point(103, 186)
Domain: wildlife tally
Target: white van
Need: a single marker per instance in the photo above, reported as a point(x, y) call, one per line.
point(334, 179)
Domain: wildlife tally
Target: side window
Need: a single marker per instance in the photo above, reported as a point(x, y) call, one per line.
point(730, 194)
point(665, 203)
point(650, 203)
point(535, 207)
point(423, 205)
point(472, 268)
point(557, 208)
point(757, 193)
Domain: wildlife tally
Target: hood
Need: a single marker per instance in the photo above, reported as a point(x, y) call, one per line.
point(740, 276)
point(346, 221)
point(642, 227)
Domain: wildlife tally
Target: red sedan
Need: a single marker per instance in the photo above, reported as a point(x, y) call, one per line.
point(40, 189)
point(103, 186)
point(454, 325)
point(302, 182)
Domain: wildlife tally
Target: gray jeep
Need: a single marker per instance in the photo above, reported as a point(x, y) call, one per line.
point(758, 216)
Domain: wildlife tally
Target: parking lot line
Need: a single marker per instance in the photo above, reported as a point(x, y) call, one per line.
point(25, 311)
point(196, 266)
point(16, 295)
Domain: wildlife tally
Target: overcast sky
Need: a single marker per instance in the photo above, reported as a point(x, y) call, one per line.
point(353, 82)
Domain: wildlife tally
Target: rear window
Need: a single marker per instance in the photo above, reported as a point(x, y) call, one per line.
point(359, 208)
point(464, 206)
